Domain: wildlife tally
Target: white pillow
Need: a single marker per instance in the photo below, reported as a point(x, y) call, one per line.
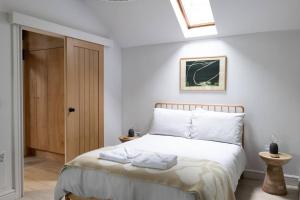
point(217, 126)
point(171, 122)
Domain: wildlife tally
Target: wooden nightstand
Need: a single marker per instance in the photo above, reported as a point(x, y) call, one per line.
point(274, 180)
point(124, 138)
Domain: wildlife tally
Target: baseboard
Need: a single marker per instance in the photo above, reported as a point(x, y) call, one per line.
point(259, 175)
point(47, 155)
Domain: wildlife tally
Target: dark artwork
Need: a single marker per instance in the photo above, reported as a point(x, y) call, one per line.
point(202, 73)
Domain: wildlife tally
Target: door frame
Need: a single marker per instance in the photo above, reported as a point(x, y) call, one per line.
point(18, 109)
point(17, 114)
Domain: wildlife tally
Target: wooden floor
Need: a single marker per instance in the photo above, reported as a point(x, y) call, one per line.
point(249, 189)
point(41, 176)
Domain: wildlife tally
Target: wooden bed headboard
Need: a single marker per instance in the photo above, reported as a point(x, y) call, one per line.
point(211, 107)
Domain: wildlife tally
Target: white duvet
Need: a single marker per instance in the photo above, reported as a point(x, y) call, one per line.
point(90, 183)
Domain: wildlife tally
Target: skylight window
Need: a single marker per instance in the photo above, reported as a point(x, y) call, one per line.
point(197, 13)
point(195, 17)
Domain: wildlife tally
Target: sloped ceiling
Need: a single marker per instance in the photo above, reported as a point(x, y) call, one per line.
point(144, 22)
point(138, 22)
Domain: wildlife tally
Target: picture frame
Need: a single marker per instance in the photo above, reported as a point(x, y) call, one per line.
point(203, 73)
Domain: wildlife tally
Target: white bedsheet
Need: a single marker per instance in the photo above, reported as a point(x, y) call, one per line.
point(99, 184)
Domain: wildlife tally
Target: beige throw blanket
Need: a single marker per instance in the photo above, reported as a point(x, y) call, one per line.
point(207, 180)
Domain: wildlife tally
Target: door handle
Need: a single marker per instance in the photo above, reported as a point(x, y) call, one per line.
point(71, 109)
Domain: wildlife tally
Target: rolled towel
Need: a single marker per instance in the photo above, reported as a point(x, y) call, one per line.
point(119, 155)
point(154, 160)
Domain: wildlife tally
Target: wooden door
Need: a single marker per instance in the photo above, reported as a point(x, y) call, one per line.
point(84, 97)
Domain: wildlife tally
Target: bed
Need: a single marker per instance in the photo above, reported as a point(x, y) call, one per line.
point(88, 184)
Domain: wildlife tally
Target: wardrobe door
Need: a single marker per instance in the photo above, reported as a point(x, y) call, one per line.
point(37, 121)
point(84, 96)
point(30, 101)
point(41, 98)
point(56, 121)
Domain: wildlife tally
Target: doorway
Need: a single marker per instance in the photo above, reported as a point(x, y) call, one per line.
point(43, 58)
point(44, 118)
point(62, 103)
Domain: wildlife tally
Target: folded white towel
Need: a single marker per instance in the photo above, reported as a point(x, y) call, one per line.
point(154, 160)
point(140, 158)
point(119, 155)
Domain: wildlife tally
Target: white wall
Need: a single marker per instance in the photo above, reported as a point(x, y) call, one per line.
point(5, 103)
point(263, 75)
point(71, 13)
point(112, 95)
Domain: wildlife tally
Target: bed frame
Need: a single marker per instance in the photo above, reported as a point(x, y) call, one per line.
point(184, 106)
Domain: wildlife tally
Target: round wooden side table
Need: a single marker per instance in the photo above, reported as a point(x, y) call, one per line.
point(274, 180)
point(124, 138)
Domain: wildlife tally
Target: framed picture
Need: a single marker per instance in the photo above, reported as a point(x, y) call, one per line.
point(203, 74)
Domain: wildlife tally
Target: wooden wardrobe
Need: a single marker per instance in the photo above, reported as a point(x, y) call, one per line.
point(63, 95)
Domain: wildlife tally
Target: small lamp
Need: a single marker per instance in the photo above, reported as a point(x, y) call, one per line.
point(273, 149)
point(131, 132)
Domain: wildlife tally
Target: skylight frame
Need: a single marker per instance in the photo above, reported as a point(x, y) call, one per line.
point(205, 31)
point(189, 26)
